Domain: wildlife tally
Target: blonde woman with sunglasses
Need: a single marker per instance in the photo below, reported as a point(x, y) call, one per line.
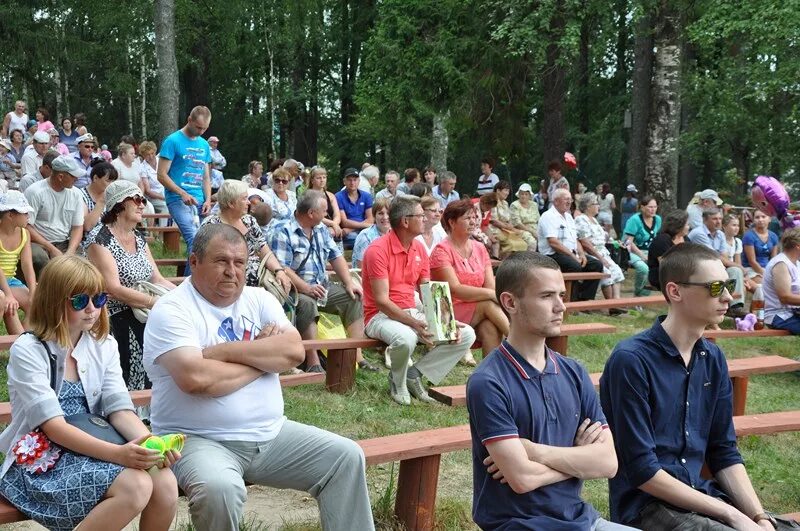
point(70, 365)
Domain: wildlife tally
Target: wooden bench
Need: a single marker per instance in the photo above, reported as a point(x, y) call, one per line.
point(143, 398)
point(339, 377)
point(171, 237)
point(180, 263)
point(605, 304)
point(739, 370)
point(420, 454)
point(571, 278)
point(560, 343)
point(713, 335)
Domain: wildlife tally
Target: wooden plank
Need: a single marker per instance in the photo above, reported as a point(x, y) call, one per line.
point(142, 398)
point(604, 304)
point(560, 343)
point(418, 444)
point(733, 334)
point(340, 375)
point(415, 504)
point(767, 423)
point(456, 395)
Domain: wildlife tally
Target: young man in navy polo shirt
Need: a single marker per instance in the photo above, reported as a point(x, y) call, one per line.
point(355, 206)
point(537, 427)
point(668, 398)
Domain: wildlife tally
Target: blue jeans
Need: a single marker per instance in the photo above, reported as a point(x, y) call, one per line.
point(182, 216)
point(792, 324)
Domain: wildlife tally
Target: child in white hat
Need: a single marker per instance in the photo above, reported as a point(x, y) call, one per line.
point(15, 247)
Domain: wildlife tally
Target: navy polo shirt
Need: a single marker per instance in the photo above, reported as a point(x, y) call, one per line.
point(356, 211)
point(507, 397)
point(666, 416)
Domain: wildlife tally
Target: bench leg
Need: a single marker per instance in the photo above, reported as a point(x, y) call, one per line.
point(558, 343)
point(181, 270)
point(172, 241)
point(341, 373)
point(739, 394)
point(416, 492)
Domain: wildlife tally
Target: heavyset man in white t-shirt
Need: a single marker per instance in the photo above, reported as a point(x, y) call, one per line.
point(213, 349)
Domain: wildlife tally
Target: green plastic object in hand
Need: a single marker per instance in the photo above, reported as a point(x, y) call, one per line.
point(164, 443)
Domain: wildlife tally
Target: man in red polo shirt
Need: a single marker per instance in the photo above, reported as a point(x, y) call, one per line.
point(394, 266)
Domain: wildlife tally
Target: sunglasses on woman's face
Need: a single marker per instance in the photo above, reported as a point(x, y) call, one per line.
point(281, 181)
point(81, 300)
point(715, 288)
point(138, 200)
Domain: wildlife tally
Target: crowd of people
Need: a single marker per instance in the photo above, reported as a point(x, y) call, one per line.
point(73, 260)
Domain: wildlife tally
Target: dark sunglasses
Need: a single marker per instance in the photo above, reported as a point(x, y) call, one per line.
point(138, 200)
point(281, 181)
point(81, 300)
point(714, 288)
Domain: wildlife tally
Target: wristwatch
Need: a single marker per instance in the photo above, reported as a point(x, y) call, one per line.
point(765, 516)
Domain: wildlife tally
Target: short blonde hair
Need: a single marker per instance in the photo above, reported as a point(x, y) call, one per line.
point(790, 238)
point(147, 147)
point(63, 277)
point(427, 201)
point(381, 203)
point(230, 191)
point(123, 147)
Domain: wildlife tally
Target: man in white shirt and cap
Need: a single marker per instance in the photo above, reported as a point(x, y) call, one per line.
point(56, 222)
point(704, 200)
point(84, 157)
point(32, 159)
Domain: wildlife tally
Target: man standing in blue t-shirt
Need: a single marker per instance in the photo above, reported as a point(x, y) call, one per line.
point(183, 170)
point(537, 427)
point(355, 206)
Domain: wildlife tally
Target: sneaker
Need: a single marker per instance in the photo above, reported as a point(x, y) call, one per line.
point(367, 366)
point(613, 312)
point(400, 396)
point(469, 360)
point(418, 391)
point(316, 368)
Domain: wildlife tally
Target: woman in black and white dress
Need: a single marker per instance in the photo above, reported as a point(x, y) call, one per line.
point(122, 254)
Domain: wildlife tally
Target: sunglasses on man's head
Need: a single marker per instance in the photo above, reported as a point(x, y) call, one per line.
point(81, 300)
point(714, 288)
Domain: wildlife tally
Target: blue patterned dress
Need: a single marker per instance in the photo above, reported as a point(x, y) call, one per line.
point(61, 497)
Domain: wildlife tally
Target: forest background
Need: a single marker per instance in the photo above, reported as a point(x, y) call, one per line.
point(671, 95)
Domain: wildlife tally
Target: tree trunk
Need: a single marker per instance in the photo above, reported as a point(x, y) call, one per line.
point(640, 99)
point(583, 91)
point(554, 85)
point(167, 67)
point(621, 76)
point(661, 177)
point(143, 96)
point(740, 154)
point(440, 141)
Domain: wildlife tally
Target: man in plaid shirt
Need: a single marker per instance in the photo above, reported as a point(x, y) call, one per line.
point(303, 245)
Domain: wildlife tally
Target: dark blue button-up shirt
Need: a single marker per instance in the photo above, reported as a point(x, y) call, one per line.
point(666, 416)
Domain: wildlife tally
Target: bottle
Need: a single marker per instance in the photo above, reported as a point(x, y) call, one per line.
point(757, 308)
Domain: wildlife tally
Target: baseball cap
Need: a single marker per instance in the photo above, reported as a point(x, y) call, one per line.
point(710, 194)
point(14, 200)
point(349, 172)
point(66, 163)
point(631, 188)
point(86, 138)
point(42, 137)
point(119, 191)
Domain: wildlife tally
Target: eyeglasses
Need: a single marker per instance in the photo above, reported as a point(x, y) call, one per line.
point(714, 288)
point(280, 181)
point(138, 200)
point(434, 210)
point(81, 300)
point(415, 216)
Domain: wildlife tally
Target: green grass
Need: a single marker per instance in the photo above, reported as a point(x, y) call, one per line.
point(368, 412)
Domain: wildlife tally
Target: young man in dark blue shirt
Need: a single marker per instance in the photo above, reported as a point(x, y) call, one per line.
point(668, 398)
point(537, 427)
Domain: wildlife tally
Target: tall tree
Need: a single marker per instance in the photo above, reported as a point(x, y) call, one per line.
point(164, 15)
point(661, 176)
point(640, 98)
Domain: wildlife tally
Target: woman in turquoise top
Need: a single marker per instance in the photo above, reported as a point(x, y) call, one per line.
point(640, 230)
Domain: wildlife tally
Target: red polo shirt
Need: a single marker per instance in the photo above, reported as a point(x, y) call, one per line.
point(386, 258)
